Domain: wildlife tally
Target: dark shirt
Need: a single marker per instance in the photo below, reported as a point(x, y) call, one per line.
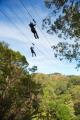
point(32, 49)
point(32, 26)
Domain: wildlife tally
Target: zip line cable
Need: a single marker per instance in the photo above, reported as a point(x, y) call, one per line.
point(36, 13)
point(32, 19)
point(22, 22)
point(21, 32)
point(30, 16)
point(12, 22)
point(26, 9)
point(24, 35)
point(38, 26)
point(16, 15)
point(35, 10)
point(18, 29)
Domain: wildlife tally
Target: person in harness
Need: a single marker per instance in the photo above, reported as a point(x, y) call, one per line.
point(32, 51)
point(33, 30)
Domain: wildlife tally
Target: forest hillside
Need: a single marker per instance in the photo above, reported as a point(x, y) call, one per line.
point(60, 97)
point(25, 96)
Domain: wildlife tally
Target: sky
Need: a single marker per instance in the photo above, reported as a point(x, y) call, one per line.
point(14, 29)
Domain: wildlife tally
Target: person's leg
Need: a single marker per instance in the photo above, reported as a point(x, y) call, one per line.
point(33, 31)
point(37, 35)
point(34, 53)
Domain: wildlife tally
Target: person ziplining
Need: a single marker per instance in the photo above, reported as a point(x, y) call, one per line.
point(33, 30)
point(32, 51)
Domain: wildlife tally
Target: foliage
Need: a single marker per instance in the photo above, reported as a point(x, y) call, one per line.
point(64, 20)
point(33, 69)
point(17, 90)
point(60, 97)
point(35, 96)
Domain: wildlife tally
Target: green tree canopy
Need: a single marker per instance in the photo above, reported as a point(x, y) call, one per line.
point(17, 90)
point(65, 23)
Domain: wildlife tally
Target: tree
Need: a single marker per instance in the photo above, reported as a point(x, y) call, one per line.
point(17, 89)
point(66, 24)
point(33, 69)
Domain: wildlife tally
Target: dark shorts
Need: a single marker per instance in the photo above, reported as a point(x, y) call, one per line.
point(33, 30)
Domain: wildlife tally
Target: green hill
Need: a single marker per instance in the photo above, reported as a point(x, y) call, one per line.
point(60, 98)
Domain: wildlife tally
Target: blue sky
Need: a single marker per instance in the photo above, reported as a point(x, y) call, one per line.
point(14, 30)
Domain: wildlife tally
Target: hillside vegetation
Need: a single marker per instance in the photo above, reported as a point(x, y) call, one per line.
point(60, 99)
point(25, 96)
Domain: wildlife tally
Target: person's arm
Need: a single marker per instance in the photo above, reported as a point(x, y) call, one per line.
point(34, 22)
